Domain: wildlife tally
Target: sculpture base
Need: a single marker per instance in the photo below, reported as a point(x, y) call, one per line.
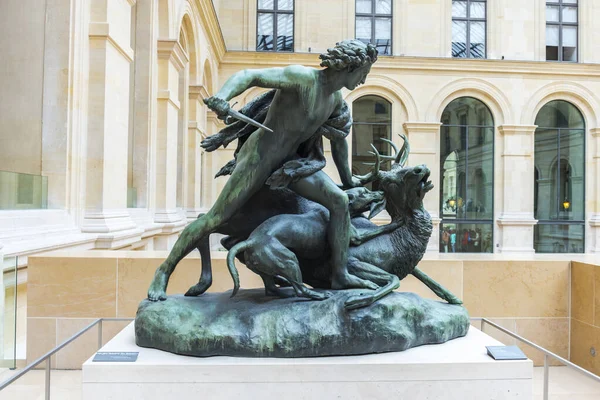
point(252, 325)
point(457, 370)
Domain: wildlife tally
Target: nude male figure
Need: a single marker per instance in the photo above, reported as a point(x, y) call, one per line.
point(305, 99)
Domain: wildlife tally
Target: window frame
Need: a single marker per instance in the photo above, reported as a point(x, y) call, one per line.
point(275, 12)
point(474, 221)
point(560, 24)
point(557, 221)
point(373, 15)
point(468, 20)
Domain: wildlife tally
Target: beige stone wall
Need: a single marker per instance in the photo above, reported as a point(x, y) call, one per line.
point(585, 315)
point(21, 80)
point(67, 290)
point(516, 29)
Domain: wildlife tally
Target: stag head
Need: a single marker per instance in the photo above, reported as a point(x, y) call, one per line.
point(404, 187)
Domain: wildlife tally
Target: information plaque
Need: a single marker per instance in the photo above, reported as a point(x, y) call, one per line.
point(115, 356)
point(505, 353)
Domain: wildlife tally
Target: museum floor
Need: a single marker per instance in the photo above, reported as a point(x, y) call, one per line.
point(66, 385)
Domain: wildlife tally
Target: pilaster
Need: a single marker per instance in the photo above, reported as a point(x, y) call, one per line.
point(110, 56)
point(196, 125)
point(516, 219)
point(171, 62)
point(424, 139)
point(593, 205)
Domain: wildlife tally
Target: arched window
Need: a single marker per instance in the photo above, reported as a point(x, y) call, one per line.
point(559, 179)
point(467, 170)
point(372, 120)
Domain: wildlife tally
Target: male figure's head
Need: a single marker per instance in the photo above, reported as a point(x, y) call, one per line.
point(352, 57)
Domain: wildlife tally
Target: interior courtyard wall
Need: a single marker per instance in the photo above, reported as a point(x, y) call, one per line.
point(21, 80)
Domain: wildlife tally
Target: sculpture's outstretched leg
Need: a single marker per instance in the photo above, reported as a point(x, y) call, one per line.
point(388, 282)
point(438, 289)
point(249, 176)
point(206, 276)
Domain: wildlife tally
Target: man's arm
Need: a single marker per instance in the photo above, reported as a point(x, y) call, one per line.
point(339, 151)
point(271, 78)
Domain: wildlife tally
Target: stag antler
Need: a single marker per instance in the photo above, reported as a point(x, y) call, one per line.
point(371, 176)
point(402, 155)
point(399, 157)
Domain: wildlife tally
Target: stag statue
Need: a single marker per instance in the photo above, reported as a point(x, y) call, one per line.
point(293, 246)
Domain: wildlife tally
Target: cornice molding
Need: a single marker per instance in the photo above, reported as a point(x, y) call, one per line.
point(516, 129)
point(171, 50)
point(431, 127)
point(165, 94)
point(595, 132)
point(446, 64)
point(101, 30)
point(516, 219)
point(198, 92)
point(210, 21)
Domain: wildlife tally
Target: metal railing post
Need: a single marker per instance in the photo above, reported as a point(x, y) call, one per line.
point(99, 334)
point(48, 368)
point(546, 376)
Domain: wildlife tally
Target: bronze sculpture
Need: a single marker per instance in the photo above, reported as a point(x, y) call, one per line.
point(287, 221)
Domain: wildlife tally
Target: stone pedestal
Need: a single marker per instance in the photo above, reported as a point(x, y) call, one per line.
point(457, 370)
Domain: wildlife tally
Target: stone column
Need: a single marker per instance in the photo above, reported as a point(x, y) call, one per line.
point(424, 139)
point(110, 58)
point(171, 62)
point(145, 91)
point(516, 186)
point(593, 193)
point(197, 116)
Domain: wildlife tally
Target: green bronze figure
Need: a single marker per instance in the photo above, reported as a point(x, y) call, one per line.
point(303, 102)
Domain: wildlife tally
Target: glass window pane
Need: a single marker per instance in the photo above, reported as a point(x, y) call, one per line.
point(285, 32)
point(383, 28)
point(477, 10)
point(546, 147)
point(571, 175)
point(552, 13)
point(383, 6)
point(477, 45)
point(363, 29)
point(569, 1)
point(372, 121)
point(459, 39)
point(383, 35)
point(569, 43)
point(454, 177)
point(569, 36)
point(264, 40)
point(285, 4)
point(552, 35)
point(459, 9)
point(559, 238)
point(266, 4)
point(364, 6)
point(560, 114)
point(371, 109)
point(478, 202)
point(552, 38)
point(569, 14)
point(466, 238)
